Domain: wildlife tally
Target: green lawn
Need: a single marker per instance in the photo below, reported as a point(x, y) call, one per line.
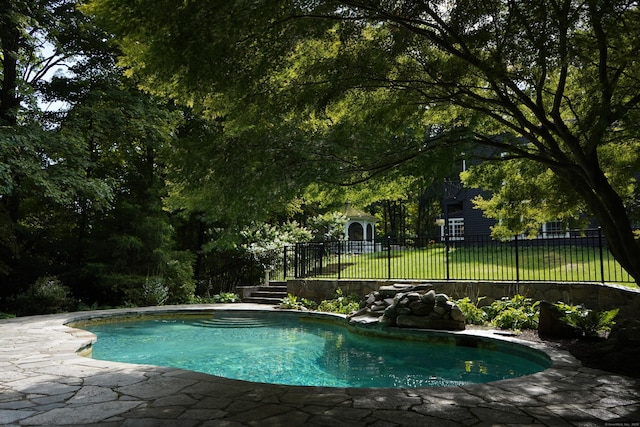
point(498, 262)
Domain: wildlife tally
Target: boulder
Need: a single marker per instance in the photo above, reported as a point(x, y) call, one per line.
point(440, 310)
point(429, 297)
point(413, 296)
point(378, 307)
point(387, 320)
point(441, 300)
point(410, 306)
point(550, 324)
point(457, 314)
point(391, 311)
point(421, 322)
point(404, 311)
point(371, 298)
point(418, 308)
point(626, 334)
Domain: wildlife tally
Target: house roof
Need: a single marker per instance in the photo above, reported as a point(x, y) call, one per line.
point(354, 213)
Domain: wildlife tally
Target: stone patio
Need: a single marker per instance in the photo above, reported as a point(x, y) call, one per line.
point(45, 382)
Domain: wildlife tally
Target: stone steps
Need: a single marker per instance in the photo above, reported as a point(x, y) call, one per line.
point(271, 294)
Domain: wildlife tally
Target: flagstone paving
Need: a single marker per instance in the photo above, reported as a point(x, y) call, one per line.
point(44, 382)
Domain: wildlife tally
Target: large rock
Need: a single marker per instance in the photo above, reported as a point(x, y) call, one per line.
point(422, 322)
point(550, 324)
point(441, 300)
point(457, 314)
point(429, 297)
point(626, 334)
point(392, 290)
point(410, 306)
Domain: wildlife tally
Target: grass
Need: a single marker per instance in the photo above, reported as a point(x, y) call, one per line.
point(492, 262)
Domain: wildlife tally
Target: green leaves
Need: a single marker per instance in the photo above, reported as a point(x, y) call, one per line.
point(522, 196)
point(346, 91)
point(588, 322)
point(516, 313)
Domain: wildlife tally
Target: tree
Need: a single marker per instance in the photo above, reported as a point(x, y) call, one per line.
point(524, 195)
point(124, 241)
point(81, 184)
point(550, 81)
point(39, 170)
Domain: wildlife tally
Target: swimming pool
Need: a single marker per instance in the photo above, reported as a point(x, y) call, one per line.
point(294, 349)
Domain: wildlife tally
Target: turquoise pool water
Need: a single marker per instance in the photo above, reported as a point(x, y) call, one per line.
point(281, 348)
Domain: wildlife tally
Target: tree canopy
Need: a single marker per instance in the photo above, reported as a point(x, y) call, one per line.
point(147, 144)
point(81, 183)
point(378, 83)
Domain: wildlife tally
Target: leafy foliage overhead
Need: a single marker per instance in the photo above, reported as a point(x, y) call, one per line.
point(376, 83)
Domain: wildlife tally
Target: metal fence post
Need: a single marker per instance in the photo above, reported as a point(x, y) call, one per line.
point(389, 257)
point(517, 260)
point(601, 254)
point(446, 249)
point(296, 254)
point(284, 263)
point(339, 258)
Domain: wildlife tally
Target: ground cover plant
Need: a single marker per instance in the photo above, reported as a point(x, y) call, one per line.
point(343, 304)
point(221, 298)
point(473, 314)
point(589, 323)
point(520, 312)
point(293, 302)
point(514, 313)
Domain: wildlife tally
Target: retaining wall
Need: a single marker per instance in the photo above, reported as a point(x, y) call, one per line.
point(595, 296)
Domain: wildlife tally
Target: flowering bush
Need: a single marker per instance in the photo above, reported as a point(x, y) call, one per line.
point(265, 242)
point(329, 226)
point(340, 304)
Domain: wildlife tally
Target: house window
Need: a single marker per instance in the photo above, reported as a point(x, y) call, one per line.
point(456, 229)
point(554, 229)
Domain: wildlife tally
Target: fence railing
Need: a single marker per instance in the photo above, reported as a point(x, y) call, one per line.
point(576, 256)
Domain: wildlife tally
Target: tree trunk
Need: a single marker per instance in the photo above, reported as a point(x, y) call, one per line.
point(609, 209)
point(10, 42)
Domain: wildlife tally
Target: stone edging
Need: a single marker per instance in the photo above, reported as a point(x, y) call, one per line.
point(44, 381)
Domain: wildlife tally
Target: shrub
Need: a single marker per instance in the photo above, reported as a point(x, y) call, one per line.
point(514, 318)
point(154, 291)
point(340, 304)
point(221, 298)
point(45, 295)
point(295, 303)
point(518, 312)
point(178, 274)
point(473, 314)
point(327, 227)
point(588, 322)
point(264, 242)
point(226, 298)
point(83, 306)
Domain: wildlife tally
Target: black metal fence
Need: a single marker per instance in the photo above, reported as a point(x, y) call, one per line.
point(576, 256)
